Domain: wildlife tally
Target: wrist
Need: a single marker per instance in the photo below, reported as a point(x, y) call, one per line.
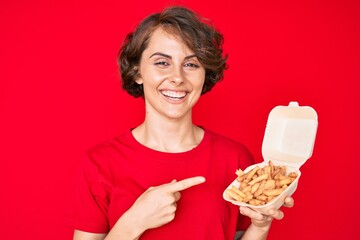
point(132, 224)
point(126, 228)
point(257, 230)
point(261, 226)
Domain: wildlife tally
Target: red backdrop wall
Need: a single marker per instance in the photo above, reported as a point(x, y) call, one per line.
point(60, 94)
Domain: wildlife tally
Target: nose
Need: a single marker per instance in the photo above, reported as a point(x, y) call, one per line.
point(177, 77)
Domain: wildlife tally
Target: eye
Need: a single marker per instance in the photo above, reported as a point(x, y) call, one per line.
point(191, 65)
point(162, 63)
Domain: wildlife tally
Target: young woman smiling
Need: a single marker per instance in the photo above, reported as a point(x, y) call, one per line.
point(164, 178)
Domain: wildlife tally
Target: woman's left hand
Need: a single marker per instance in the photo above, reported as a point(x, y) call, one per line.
point(262, 220)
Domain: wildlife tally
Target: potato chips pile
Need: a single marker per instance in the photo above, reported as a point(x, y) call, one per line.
point(260, 185)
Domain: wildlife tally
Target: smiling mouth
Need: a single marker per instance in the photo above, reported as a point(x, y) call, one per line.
point(174, 95)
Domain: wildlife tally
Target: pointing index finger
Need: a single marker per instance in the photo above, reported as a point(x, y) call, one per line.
point(186, 183)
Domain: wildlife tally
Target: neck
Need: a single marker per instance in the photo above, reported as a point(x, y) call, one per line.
point(169, 135)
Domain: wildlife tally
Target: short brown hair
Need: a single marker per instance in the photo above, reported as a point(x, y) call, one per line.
point(199, 36)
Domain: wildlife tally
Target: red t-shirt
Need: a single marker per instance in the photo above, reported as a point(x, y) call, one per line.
point(115, 173)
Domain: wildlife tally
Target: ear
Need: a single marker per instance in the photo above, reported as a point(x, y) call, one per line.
point(138, 79)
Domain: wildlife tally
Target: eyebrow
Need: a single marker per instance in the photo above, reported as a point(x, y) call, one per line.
point(168, 56)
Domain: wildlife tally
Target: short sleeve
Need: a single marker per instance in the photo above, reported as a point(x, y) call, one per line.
point(246, 160)
point(92, 197)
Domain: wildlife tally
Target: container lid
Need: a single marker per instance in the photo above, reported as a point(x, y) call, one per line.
point(290, 134)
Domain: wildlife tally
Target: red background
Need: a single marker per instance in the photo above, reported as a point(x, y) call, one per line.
point(60, 94)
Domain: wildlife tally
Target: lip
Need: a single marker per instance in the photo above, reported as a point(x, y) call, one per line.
point(174, 97)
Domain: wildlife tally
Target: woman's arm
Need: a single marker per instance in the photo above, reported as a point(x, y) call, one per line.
point(124, 229)
point(80, 235)
point(154, 208)
point(260, 224)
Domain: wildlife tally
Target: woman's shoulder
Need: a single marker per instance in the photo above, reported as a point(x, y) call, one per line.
point(104, 154)
point(218, 138)
point(115, 143)
point(230, 147)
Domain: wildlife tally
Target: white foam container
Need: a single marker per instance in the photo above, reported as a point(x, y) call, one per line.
point(288, 141)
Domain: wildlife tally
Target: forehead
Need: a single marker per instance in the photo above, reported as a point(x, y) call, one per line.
point(162, 40)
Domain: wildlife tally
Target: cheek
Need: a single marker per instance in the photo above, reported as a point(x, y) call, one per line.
point(198, 85)
point(159, 74)
point(152, 78)
point(201, 83)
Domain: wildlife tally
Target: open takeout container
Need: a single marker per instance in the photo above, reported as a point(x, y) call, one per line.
point(288, 141)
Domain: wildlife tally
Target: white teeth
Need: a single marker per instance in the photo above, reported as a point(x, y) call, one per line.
point(173, 94)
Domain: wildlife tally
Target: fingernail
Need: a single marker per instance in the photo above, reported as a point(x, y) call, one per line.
point(199, 180)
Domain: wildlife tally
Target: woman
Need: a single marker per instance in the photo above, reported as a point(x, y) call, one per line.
point(164, 179)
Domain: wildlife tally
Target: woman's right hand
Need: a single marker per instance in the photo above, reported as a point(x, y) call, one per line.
point(154, 208)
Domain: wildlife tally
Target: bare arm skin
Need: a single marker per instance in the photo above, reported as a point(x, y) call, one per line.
point(154, 208)
point(260, 224)
point(80, 235)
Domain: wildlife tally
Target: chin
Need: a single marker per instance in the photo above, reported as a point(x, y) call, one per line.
point(176, 115)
